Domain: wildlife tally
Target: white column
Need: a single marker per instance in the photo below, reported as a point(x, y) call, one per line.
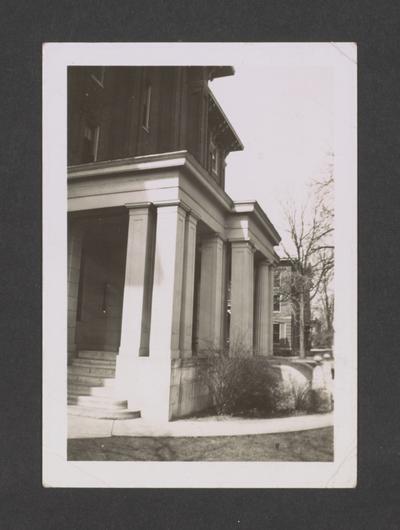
point(136, 308)
point(188, 286)
point(263, 316)
point(168, 282)
point(167, 313)
point(75, 236)
point(211, 293)
point(242, 297)
point(271, 311)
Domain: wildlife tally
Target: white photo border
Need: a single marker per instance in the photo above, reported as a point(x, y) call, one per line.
point(57, 471)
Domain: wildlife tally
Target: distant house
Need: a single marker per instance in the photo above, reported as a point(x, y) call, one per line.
point(285, 316)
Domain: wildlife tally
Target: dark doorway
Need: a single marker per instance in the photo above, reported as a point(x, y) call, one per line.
point(101, 282)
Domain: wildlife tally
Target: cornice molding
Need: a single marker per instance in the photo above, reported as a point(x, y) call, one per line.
point(142, 164)
point(127, 165)
point(254, 210)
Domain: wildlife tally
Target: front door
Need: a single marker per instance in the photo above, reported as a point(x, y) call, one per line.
point(101, 284)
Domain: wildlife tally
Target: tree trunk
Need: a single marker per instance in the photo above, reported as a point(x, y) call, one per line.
point(302, 352)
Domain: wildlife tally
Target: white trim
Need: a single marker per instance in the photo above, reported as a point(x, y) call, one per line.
point(146, 124)
point(100, 81)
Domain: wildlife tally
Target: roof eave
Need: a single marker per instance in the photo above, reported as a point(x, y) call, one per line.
point(237, 144)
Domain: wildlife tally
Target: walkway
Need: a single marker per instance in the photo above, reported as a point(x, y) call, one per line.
point(81, 427)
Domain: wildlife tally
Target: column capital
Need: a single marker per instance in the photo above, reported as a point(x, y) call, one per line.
point(172, 202)
point(243, 243)
point(138, 207)
point(264, 262)
point(192, 218)
point(213, 236)
point(172, 207)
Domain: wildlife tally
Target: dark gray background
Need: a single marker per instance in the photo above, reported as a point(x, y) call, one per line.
point(24, 27)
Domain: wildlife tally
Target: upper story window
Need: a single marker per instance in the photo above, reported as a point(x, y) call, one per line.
point(97, 75)
point(91, 135)
point(146, 108)
point(277, 302)
point(214, 158)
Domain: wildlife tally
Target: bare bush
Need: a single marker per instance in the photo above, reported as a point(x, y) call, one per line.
point(241, 384)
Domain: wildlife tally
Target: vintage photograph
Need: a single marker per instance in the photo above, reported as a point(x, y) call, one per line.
point(201, 255)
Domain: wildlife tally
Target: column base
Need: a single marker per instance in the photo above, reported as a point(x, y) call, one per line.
point(145, 383)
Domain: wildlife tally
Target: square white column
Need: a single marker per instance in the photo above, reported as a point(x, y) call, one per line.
point(188, 286)
point(135, 327)
point(212, 287)
point(242, 297)
point(263, 315)
point(168, 282)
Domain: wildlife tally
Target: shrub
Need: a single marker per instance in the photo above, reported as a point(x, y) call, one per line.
point(241, 385)
point(321, 400)
point(290, 397)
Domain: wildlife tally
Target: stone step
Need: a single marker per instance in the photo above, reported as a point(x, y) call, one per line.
point(76, 389)
point(104, 391)
point(103, 413)
point(89, 380)
point(97, 354)
point(100, 363)
point(92, 370)
point(98, 402)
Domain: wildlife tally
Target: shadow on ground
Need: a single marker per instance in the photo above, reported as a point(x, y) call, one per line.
point(305, 446)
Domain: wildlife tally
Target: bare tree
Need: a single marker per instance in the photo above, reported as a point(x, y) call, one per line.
point(309, 250)
point(325, 305)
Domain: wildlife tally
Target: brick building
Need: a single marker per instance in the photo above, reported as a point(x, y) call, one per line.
point(286, 330)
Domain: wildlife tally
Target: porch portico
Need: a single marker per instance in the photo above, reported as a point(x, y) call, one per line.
point(162, 268)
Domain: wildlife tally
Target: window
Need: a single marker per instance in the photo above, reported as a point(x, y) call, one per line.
point(91, 136)
point(276, 334)
point(214, 158)
point(146, 108)
point(277, 302)
point(277, 278)
point(97, 75)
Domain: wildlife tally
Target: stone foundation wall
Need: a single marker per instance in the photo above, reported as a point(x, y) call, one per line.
point(188, 392)
point(301, 372)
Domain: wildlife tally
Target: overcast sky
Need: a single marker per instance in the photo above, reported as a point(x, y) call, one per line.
point(284, 117)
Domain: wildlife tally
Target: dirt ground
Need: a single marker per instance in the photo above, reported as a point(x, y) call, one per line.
point(302, 446)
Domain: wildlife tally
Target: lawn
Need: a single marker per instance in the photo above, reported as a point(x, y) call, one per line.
point(308, 446)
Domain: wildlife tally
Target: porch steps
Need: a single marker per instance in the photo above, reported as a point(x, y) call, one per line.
point(103, 413)
point(98, 354)
point(98, 401)
point(91, 378)
point(94, 362)
point(88, 379)
point(95, 371)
